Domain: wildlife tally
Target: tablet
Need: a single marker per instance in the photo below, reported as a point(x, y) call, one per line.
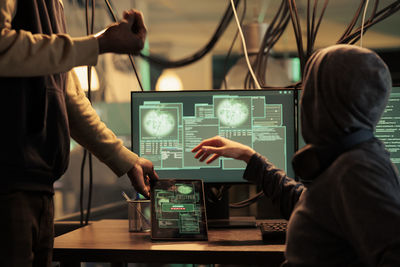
point(178, 210)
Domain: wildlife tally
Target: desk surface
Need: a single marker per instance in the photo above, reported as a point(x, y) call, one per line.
point(110, 241)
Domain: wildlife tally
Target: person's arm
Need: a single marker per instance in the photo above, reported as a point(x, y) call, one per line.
point(283, 190)
point(24, 54)
point(218, 146)
point(89, 131)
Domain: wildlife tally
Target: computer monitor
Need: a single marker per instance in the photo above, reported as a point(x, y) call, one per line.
point(388, 128)
point(166, 126)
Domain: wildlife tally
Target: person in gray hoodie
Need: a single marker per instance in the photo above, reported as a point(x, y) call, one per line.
point(346, 209)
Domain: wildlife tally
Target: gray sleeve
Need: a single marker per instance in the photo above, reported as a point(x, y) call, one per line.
point(281, 189)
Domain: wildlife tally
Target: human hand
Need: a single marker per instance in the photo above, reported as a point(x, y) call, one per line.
point(141, 175)
point(124, 37)
point(219, 146)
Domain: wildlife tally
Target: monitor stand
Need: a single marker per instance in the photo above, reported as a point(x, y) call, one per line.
point(217, 208)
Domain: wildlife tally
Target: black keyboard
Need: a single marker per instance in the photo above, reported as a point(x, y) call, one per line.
point(273, 231)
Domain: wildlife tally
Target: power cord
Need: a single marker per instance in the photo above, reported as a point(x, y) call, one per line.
point(247, 202)
point(232, 44)
point(222, 26)
point(89, 30)
point(362, 23)
point(244, 46)
point(114, 16)
point(349, 37)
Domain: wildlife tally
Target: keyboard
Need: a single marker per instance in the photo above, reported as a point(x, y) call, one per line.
point(273, 231)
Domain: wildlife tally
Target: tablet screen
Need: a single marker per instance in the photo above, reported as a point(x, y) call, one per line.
point(178, 210)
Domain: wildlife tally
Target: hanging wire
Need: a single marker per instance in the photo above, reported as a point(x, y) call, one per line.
point(362, 23)
point(350, 37)
point(273, 34)
point(115, 18)
point(223, 25)
point(89, 31)
point(225, 71)
point(247, 202)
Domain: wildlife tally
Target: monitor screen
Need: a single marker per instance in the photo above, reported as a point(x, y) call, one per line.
point(166, 126)
point(388, 128)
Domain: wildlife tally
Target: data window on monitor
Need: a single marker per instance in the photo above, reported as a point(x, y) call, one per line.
point(388, 128)
point(166, 126)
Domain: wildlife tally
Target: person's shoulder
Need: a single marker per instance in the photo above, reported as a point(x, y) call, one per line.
point(368, 164)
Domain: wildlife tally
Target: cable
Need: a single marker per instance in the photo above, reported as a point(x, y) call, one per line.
point(274, 32)
point(247, 202)
point(82, 187)
point(353, 21)
point(244, 46)
point(223, 25)
point(111, 10)
point(232, 44)
point(314, 33)
point(297, 31)
point(353, 38)
point(114, 17)
point(362, 24)
point(376, 17)
point(89, 30)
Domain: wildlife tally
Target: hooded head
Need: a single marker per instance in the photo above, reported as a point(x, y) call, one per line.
point(345, 89)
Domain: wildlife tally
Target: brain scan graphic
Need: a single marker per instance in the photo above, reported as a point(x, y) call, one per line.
point(184, 189)
point(232, 112)
point(159, 123)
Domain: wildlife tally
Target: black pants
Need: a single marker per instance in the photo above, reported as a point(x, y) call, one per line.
point(26, 229)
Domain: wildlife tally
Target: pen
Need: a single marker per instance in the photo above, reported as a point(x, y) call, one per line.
point(139, 211)
point(126, 196)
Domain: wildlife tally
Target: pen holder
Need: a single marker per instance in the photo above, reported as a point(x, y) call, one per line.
point(139, 215)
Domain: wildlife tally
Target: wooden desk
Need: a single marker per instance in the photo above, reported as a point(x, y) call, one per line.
point(110, 241)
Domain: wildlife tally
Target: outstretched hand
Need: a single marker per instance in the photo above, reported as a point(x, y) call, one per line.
point(142, 175)
point(124, 37)
point(218, 146)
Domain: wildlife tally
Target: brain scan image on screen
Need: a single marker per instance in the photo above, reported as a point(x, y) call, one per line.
point(184, 189)
point(232, 112)
point(159, 123)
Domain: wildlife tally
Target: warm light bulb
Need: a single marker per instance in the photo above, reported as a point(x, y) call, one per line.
point(81, 72)
point(169, 81)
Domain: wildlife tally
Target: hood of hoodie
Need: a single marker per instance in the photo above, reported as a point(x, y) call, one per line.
point(345, 88)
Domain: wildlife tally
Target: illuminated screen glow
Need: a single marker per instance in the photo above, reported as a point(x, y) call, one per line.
point(166, 126)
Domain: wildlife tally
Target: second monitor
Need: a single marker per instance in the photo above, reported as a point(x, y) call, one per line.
point(166, 126)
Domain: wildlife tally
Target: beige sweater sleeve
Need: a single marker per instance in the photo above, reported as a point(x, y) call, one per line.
point(25, 54)
point(89, 131)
